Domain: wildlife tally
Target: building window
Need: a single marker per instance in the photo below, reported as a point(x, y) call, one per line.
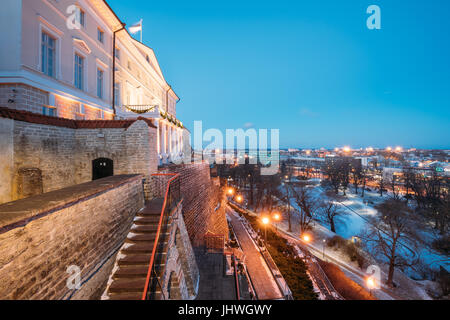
point(49, 111)
point(81, 17)
point(117, 53)
point(129, 64)
point(101, 114)
point(48, 48)
point(117, 101)
point(81, 109)
point(81, 112)
point(100, 83)
point(100, 35)
point(79, 71)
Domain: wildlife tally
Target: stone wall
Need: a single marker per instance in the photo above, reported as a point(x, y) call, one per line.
point(64, 155)
point(69, 109)
point(180, 264)
point(201, 198)
point(23, 97)
point(82, 226)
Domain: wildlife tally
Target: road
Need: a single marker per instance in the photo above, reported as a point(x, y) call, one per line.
point(385, 293)
point(260, 275)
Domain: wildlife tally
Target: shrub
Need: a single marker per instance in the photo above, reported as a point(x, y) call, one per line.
point(351, 249)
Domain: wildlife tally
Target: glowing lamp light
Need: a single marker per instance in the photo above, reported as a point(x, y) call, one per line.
point(276, 216)
point(347, 149)
point(370, 281)
point(265, 220)
point(399, 149)
point(306, 238)
point(230, 191)
point(388, 149)
point(336, 149)
point(239, 198)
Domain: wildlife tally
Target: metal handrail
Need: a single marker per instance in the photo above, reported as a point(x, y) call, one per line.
point(158, 232)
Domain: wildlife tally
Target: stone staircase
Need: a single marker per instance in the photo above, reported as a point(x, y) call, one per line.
point(129, 275)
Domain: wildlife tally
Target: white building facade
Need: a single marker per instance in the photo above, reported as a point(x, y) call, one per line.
point(57, 58)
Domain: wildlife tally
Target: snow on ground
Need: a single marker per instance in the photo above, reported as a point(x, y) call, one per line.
point(352, 223)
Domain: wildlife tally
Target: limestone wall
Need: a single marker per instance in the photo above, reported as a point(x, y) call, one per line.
point(200, 199)
point(82, 226)
point(65, 155)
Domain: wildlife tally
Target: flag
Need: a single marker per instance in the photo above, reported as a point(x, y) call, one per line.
point(136, 27)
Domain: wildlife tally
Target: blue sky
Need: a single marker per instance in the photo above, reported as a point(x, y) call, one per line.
point(310, 68)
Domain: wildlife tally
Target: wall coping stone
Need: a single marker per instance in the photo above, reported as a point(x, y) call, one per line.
point(19, 213)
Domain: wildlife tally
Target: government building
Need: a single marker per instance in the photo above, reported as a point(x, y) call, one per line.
point(76, 60)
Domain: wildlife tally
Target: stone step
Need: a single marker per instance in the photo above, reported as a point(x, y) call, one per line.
point(148, 220)
point(128, 285)
point(138, 248)
point(135, 260)
point(137, 238)
point(145, 229)
point(125, 296)
point(153, 207)
point(131, 272)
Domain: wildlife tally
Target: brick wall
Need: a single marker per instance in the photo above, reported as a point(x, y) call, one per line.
point(69, 109)
point(201, 198)
point(65, 155)
point(82, 226)
point(23, 97)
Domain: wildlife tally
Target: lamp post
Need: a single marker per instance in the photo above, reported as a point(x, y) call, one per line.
point(265, 221)
point(306, 238)
point(323, 249)
point(277, 218)
point(370, 281)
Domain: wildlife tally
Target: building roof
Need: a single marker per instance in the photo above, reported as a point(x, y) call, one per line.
point(26, 116)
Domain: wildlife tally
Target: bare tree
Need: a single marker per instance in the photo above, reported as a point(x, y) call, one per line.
point(329, 212)
point(363, 180)
point(381, 184)
point(384, 235)
point(344, 170)
point(307, 204)
point(394, 187)
point(356, 173)
point(331, 170)
point(287, 200)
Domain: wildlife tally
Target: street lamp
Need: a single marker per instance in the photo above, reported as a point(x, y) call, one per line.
point(239, 198)
point(230, 191)
point(306, 238)
point(277, 218)
point(371, 283)
point(265, 221)
point(323, 249)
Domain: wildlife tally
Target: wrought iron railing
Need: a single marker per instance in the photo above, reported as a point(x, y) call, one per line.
point(140, 108)
point(172, 196)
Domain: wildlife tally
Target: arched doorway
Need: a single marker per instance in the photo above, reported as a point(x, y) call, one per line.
point(102, 168)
